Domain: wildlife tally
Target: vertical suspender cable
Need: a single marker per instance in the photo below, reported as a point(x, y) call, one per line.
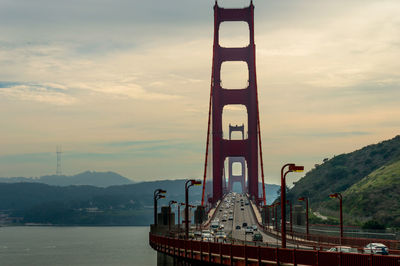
point(209, 114)
point(258, 112)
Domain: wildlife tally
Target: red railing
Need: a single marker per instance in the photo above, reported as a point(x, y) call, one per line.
point(324, 240)
point(229, 254)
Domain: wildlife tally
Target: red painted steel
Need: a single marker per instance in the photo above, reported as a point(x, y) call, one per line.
point(306, 257)
point(221, 96)
point(285, 255)
point(252, 252)
point(258, 120)
point(240, 253)
point(347, 241)
point(208, 134)
point(268, 254)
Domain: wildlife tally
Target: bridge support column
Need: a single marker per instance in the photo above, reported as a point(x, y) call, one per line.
point(221, 97)
point(165, 260)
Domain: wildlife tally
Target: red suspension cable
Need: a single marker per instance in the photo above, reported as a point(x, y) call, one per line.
point(258, 120)
point(209, 115)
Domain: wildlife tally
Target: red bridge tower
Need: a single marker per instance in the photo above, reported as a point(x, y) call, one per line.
point(247, 148)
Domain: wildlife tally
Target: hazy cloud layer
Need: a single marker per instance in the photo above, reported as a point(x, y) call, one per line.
point(124, 85)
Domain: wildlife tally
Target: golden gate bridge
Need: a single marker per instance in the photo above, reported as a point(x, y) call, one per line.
point(179, 247)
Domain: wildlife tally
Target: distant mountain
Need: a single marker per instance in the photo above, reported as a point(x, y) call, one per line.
point(91, 178)
point(271, 192)
point(367, 179)
point(88, 205)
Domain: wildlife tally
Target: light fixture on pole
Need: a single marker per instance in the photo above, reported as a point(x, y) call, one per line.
point(339, 196)
point(292, 168)
point(306, 200)
point(188, 184)
point(158, 194)
point(169, 213)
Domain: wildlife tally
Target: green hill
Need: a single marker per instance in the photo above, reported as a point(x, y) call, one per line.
point(376, 196)
point(343, 172)
point(89, 205)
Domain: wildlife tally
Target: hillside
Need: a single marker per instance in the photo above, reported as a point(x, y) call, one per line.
point(341, 172)
point(376, 195)
point(90, 178)
point(88, 205)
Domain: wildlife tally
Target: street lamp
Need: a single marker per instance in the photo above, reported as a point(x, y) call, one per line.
point(306, 200)
point(290, 212)
point(188, 184)
point(264, 209)
point(169, 213)
point(339, 196)
point(292, 168)
point(179, 213)
point(276, 215)
point(158, 194)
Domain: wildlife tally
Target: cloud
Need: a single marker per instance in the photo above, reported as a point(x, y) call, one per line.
point(42, 93)
point(122, 70)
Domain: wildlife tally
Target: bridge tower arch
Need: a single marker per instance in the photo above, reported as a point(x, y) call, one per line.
point(233, 178)
point(220, 97)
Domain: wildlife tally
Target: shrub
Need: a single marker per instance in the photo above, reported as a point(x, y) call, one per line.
point(372, 224)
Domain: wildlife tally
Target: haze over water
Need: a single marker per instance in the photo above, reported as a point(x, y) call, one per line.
point(76, 246)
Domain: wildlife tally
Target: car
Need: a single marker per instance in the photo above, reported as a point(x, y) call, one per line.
point(224, 219)
point(344, 249)
point(376, 248)
point(255, 228)
point(207, 237)
point(237, 227)
point(214, 225)
point(244, 224)
point(257, 237)
point(197, 233)
point(249, 230)
point(220, 235)
point(221, 226)
point(230, 218)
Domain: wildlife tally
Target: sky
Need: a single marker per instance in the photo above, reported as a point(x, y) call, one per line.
point(124, 85)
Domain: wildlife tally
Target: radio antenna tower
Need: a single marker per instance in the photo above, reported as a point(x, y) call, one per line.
point(58, 152)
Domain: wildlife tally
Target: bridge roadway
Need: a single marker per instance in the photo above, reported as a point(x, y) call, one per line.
point(243, 216)
point(179, 251)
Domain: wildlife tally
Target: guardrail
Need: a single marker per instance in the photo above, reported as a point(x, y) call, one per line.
point(230, 254)
point(325, 241)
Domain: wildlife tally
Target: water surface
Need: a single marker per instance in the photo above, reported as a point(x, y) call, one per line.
point(37, 245)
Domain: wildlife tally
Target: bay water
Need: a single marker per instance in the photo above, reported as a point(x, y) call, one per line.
point(51, 245)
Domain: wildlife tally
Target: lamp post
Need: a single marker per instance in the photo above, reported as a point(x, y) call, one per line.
point(306, 200)
point(265, 208)
point(290, 212)
point(169, 213)
point(292, 168)
point(339, 196)
point(188, 184)
point(179, 215)
point(276, 215)
point(158, 194)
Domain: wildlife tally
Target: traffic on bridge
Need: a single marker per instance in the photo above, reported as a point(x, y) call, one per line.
point(240, 228)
